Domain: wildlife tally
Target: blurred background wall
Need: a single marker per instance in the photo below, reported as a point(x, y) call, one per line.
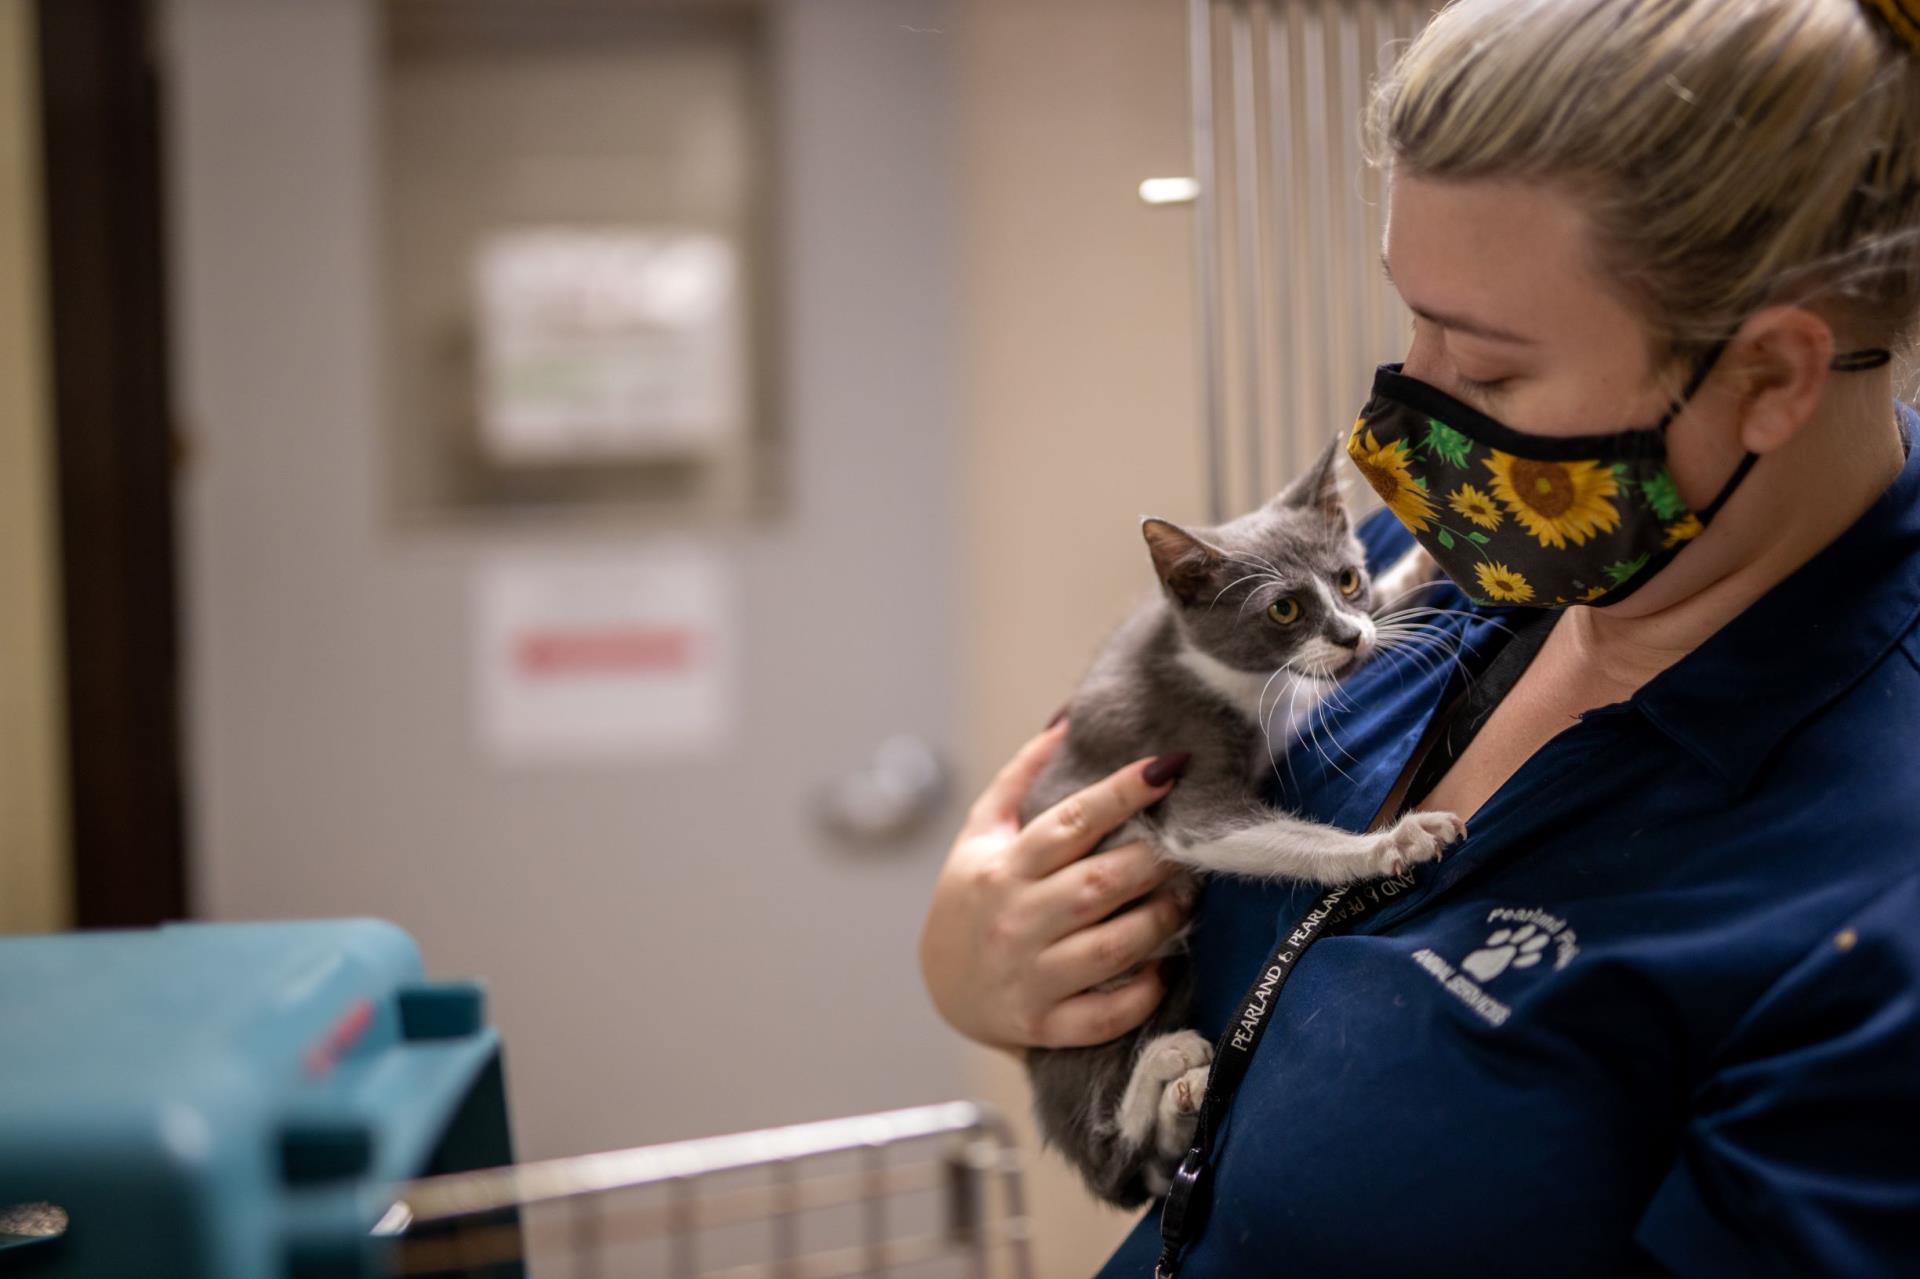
point(631, 913)
point(1081, 405)
point(970, 371)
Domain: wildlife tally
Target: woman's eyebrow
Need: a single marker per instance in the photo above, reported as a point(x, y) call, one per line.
point(1457, 323)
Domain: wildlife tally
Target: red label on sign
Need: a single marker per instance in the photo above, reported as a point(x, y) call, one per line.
point(612, 651)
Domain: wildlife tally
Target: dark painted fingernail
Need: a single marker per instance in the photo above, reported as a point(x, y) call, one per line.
point(1167, 768)
point(1057, 717)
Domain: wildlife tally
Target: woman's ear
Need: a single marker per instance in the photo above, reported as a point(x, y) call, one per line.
point(1779, 358)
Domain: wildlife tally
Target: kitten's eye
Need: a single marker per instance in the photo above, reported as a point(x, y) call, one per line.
point(1285, 610)
point(1349, 580)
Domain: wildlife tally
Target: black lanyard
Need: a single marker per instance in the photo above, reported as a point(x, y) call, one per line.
point(1185, 1210)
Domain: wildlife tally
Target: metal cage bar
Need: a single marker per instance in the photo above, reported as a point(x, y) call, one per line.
point(454, 1223)
point(1292, 311)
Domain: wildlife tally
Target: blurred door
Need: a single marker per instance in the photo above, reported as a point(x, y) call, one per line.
point(35, 869)
point(672, 949)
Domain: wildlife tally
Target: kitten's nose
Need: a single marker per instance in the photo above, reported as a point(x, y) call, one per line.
point(1346, 637)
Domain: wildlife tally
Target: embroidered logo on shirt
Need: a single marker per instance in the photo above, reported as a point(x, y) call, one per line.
point(1506, 948)
point(1519, 943)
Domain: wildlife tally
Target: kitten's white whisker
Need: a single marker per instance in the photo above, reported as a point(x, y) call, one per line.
point(1413, 655)
point(1248, 557)
point(1435, 635)
point(1331, 762)
point(1310, 729)
point(1419, 648)
point(1398, 614)
point(1260, 706)
point(1293, 701)
point(1266, 720)
point(1251, 577)
point(1433, 631)
point(1445, 645)
point(1429, 584)
point(1247, 603)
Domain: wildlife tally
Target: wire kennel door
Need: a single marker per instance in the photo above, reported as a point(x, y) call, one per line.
point(931, 1191)
point(1293, 309)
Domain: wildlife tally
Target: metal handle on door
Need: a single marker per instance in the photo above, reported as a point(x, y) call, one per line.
point(889, 797)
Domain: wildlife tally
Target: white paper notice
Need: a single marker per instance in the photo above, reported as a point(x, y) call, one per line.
point(615, 343)
point(604, 658)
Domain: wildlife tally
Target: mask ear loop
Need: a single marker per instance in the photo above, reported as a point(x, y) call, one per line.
point(1850, 362)
point(1698, 380)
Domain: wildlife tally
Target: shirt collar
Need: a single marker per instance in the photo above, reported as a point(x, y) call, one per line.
point(1732, 700)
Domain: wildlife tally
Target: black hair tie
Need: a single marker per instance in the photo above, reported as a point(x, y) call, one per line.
point(1860, 361)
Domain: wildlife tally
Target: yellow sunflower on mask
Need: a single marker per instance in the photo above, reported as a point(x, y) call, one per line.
point(1557, 502)
point(1475, 505)
point(1684, 529)
point(1386, 470)
point(1498, 582)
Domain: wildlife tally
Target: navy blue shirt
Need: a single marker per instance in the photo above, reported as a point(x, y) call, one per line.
point(1659, 1012)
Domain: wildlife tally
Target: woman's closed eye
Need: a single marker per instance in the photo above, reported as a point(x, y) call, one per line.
point(1480, 386)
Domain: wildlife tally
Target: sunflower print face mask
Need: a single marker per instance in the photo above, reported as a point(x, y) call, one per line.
point(1541, 521)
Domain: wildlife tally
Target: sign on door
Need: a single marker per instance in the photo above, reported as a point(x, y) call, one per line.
point(609, 657)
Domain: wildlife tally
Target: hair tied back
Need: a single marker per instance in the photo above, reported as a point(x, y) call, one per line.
point(1901, 17)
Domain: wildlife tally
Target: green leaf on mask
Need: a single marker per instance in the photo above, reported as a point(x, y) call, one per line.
point(1662, 496)
point(1420, 482)
point(1448, 444)
point(1481, 538)
point(1622, 570)
point(1444, 538)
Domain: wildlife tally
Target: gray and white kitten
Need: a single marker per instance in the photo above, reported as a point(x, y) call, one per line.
point(1267, 611)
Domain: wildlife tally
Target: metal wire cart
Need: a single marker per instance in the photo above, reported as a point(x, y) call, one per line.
point(256, 1101)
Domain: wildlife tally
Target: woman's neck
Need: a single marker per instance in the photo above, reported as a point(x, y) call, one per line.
point(1794, 503)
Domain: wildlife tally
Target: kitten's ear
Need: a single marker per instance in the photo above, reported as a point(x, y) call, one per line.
point(1185, 563)
point(1319, 488)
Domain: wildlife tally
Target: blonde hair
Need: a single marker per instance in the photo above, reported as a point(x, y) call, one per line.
point(1730, 154)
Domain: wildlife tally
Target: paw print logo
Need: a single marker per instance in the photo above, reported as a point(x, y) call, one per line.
point(1506, 948)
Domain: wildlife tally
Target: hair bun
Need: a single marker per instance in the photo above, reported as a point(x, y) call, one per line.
point(1901, 17)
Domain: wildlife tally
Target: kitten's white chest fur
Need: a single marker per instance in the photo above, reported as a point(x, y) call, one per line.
point(1282, 700)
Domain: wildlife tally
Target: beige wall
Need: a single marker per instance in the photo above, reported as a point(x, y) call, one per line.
point(1081, 410)
point(33, 852)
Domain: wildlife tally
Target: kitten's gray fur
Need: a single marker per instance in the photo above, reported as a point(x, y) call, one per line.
point(1194, 671)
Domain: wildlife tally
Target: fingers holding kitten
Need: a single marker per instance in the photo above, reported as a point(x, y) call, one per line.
point(1075, 825)
point(1087, 891)
point(1100, 1016)
point(1085, 959)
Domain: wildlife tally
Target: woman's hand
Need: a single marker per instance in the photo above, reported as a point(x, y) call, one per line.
point(1018, 933)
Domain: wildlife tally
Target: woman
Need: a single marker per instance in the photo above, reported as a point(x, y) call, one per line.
point(1660, 1011)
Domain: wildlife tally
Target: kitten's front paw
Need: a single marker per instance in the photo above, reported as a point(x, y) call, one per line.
point(1416, 838)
